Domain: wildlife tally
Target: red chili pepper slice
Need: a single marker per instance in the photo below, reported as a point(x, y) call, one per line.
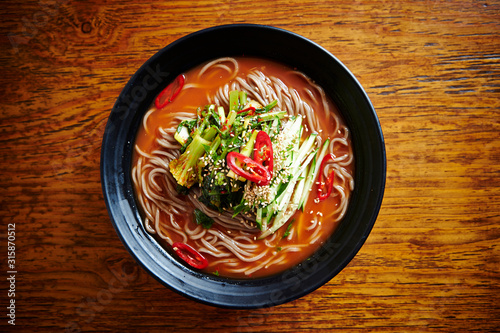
point(251, 110)
point(170, 92)
point(190, 255)
point(249, 169)
point(325, 187)
point(263, 151)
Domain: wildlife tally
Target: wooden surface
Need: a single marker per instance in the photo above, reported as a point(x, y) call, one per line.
point(432, 71)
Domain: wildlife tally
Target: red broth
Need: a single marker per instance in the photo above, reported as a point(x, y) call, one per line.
point(189, 100)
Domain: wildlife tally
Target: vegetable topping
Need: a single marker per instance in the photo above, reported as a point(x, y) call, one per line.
point(248, 168)
point(202, 219)
point(170, 92)
point(190, 255)
point(248, 159)
point(263, 151)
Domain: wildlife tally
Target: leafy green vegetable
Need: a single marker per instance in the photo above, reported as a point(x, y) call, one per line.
point(182, 189)
point(202, 219)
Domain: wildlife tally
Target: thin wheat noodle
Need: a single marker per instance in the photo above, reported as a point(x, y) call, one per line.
point(217, 61)
point(256, 268)
point(145, 119)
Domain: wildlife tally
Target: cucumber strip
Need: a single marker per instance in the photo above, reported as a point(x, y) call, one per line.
point(308, 183)
point(313, 173)
point(296, 125)
point(284, 198)
point(299, 189)
point(264, 221)
point(280, 220)
point(258, 217)
point(305, 148)
point(270, 212)
point(273, 129)
point(292, 137)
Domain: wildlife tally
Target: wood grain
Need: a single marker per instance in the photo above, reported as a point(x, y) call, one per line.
point(432, 71)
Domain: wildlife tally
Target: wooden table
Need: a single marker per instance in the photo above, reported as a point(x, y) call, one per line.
point(432, 71)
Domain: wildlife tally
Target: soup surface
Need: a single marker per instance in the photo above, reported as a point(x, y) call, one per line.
point(234, 247)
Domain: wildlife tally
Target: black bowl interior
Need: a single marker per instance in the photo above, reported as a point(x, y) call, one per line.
point(266, 42)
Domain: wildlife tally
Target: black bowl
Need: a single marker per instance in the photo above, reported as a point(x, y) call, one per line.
point(285, 47)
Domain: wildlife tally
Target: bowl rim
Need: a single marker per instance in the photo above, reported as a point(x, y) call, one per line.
point(289, 285)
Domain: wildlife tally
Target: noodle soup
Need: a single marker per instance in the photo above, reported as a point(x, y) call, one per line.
point(239, 245)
